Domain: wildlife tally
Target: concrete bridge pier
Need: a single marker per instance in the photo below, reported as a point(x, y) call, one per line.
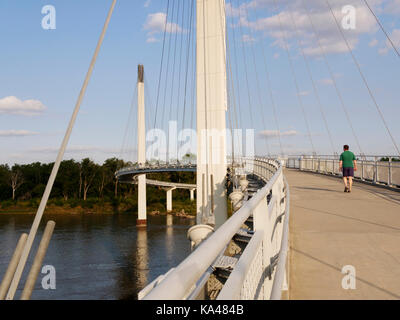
point(169, 198)
point(142, 205)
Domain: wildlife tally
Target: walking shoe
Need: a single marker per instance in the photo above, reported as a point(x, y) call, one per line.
point(346, 189)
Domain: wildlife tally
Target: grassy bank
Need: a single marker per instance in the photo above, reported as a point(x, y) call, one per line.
point(95, 206)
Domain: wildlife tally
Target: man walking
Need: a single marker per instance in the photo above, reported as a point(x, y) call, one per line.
point(348, 165)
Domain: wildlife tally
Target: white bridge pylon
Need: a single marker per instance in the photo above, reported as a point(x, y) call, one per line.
point(137, 173)
point(211, 112)
point(142, 205)
point(211, 99)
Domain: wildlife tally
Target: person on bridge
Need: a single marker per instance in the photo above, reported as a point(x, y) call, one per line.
point(348, 165)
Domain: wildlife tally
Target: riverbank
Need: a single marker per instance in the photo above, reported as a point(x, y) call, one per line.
point(91, 207)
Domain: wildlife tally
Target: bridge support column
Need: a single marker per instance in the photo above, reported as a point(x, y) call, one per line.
point(211, 111)
point(142, 206)
point(169, 199)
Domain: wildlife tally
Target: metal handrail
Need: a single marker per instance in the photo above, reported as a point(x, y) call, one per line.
point(180, 282)
point(276, 292)
point(231, 289)
point(373, 171)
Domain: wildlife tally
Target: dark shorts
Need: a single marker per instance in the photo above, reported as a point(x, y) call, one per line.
point(348, 172)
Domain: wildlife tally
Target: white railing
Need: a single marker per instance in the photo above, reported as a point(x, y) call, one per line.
point(371, 170)
point(253, 276)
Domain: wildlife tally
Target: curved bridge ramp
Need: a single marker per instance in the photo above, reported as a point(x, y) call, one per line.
point(333, 231)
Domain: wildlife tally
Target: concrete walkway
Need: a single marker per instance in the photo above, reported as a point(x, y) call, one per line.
point(330, 229)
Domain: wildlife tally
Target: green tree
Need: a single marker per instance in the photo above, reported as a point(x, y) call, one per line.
point(112, 165)
point(88, 173)
point(16, 179)
point(4, 178)
point(68, 178)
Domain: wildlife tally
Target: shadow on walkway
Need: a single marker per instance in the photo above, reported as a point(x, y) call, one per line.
point(317, 189)
point(392, 294)
point(349, 218)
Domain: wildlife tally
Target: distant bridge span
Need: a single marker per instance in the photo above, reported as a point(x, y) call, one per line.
point(126, 175)
point(130, 175)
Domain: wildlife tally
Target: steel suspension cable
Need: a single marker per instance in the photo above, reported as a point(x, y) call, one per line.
point(294, 77)
point(167, 72)
point(258, 83)
point(189, 43)
point(161, 69)
point(246, 69)
point(269, 85)
point(382, 28)
point(173, 77)
point(161, 64)
point(235, 59)
point(332, 76)
point(230, 93)
point(125, 140)
point(312, 81)
point(364, 79)
point(233, 100)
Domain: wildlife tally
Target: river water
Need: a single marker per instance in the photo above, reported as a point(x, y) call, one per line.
point(99, 256)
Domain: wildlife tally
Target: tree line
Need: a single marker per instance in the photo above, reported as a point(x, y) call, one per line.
point(79, 180)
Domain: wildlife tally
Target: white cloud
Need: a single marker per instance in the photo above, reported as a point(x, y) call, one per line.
point(157, 23)
point(16, 133)
point(395, 37)
point(373, 43)
point(280, 25)
point(13, 105)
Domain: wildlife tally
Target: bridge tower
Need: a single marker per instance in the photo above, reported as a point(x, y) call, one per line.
point(211, 110)
point(142, 206)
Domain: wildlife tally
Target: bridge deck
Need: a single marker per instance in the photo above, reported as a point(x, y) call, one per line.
point(331, 229)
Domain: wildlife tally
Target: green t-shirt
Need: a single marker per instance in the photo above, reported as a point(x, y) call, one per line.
point(347, 157)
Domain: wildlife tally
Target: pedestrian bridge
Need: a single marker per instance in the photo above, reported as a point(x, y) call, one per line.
point(127, 174)
point(333, 245)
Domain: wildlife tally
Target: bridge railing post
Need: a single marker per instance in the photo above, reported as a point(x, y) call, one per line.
point(390, 172)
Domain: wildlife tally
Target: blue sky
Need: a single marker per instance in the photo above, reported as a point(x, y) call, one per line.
point(41, 72)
